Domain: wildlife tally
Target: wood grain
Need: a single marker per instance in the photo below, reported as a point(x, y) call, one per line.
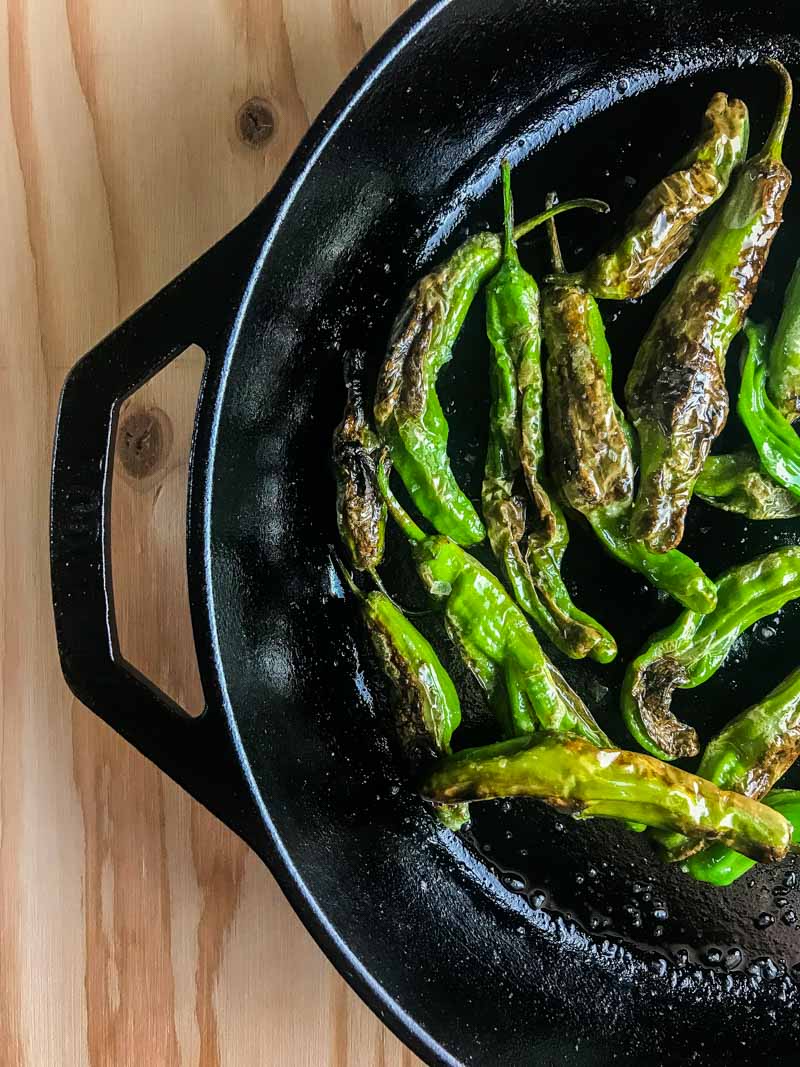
point(134, 929)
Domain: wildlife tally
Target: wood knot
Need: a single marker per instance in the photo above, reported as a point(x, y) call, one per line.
point(144, 442)
point(255, 122)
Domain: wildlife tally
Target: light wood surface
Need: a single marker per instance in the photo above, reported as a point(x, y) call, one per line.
point(134, 929)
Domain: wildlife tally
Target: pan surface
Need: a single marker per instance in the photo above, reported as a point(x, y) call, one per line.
point(531, 940)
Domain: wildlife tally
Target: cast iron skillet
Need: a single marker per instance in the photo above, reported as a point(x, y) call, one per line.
point(564, 943)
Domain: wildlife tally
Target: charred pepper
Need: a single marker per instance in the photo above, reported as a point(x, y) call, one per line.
point(737, 482)
point(515, 461)
point(664, 225)
point(772, 434)
point(427, 711)
point(408, 414)
point(493, 636)
point(590, 451)
point(676, 390)
point(750, 754)
point(720, 865)
point(360, 507)
point(692, 649)
point(587, 782)
point(783, 377)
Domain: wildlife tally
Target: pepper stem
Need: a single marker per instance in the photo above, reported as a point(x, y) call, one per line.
point(345, 574)
point(509, 248)
point(400, 516)
point(552, 233)
point(570, 205)
point(774, 146)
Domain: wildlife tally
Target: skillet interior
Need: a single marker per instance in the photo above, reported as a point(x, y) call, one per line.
point(582, 964)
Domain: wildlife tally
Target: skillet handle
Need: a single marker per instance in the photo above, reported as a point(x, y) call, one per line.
point(197, 307)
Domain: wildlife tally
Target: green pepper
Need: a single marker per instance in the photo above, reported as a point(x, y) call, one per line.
point(590, 439)
point(692, 649)
point(783, 377)
point(587, 782)
point(493, 636)
point(360, 507)
point(515, 461)
point(676, 390)
point(721, 865)
point(775, 440)
point(427, 711)
point(664, 225)
point(750, 754)
point(737, 482)
point(408, 414)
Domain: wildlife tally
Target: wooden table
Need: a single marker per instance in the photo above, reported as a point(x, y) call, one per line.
point(134, 929)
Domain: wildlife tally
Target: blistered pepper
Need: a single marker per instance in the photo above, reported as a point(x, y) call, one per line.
point(773, 436)
point(692, 649)
point(515, 462)
point(721, 865)
point(587, 782)
point(360, 507)
point(750, 754)
point(676, 390)
point(737, 482)
point(664, 225)
point(426, 708)
point(493, 636)
point(408, 414)
point(783, 377)
point(590, 440)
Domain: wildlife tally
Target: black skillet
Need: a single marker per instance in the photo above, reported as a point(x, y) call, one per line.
point(534, 940)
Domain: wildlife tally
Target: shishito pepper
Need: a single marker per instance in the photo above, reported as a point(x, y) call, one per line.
point(783, 377)
point(360, 507)
point(588, 782)
point(426, 708)
point(590, 440)
point(750, 754)
point(515, 462)
point(721, 865)
point(493, 636)
point(692, 649)
point(408, 414)
point(774, 438)
point(664, 225)
point(737, 482)
point(676, 390)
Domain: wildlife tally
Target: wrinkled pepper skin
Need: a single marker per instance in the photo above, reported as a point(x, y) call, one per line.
point(590, 452)
point(783, 377)
point(720, 865)
point(408, 415)
point(676, 390)
point(774, 438)
point(750, 754)
point(738, 483)
point(360, 507)
point(494, 637)
point(692, 649)
point(664, 225)
point(586, 782)
point(515, 462)
point(427, 711)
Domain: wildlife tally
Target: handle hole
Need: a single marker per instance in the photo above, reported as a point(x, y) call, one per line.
point(148, 529)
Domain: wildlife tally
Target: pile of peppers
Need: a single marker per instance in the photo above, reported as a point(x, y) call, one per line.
point(562, 448)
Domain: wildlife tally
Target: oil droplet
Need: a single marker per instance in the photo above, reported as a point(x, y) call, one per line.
point(714, 956)
point(660, 914)
point(733, 958)
point(790, 880)
point(623, 85)
point(514, 883)
point(681, 957)
point(537, 899)
point(789, 917)
point(765, 920)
